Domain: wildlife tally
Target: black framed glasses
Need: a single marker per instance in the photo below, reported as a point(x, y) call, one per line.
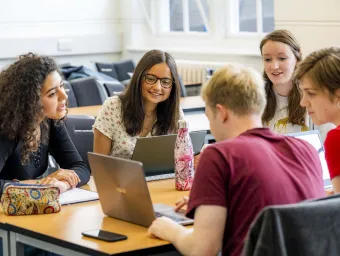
point(152, 79)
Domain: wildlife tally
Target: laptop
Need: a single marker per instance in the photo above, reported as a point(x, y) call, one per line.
point(124, 194)
point(313, 137)
point(157, 152)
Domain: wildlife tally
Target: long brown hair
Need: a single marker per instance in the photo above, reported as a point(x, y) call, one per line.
point(296, 113)
point(132, 100)
point(20, 104)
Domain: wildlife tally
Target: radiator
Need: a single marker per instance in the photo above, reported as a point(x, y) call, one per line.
point(195, 72)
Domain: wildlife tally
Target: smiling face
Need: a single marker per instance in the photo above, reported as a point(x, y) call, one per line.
point(279, 63)
point(54, 97)
point(155, 93)
point(321, 106)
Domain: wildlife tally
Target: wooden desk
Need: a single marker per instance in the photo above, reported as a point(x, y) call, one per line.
point(194, 103)
point(61, 232)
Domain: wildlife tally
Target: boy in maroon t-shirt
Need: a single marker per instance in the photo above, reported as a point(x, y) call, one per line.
point(249, 168)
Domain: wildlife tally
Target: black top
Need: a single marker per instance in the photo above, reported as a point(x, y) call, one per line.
point(60, 146)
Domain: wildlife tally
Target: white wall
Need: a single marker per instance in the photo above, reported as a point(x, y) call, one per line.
point(213, 47)
point(315, 23)
point(77, 31)
point(83, 31)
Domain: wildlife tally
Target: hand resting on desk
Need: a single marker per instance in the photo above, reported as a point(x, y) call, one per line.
point(63, 179)
point(66, 175)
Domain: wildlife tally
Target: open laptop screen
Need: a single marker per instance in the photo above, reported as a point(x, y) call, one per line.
point(313, 137)
point(157, 152)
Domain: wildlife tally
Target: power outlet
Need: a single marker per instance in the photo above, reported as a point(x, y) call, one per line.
point(64, 45)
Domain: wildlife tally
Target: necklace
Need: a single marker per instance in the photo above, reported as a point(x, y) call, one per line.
point(37, 156)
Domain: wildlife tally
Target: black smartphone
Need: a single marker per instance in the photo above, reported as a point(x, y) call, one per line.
point(104, 235)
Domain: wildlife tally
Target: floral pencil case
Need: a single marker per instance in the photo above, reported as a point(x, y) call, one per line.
point(27, 199)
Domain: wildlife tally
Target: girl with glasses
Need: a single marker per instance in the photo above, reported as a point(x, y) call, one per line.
point(149, 106)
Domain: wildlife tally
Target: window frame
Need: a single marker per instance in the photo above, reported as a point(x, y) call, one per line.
point(233, 26)
point(162, 19)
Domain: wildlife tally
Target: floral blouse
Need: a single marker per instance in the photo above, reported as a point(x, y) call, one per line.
point(109, 122)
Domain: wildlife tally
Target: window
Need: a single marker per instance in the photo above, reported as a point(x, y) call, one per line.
point(254, 16)
point(188, 16)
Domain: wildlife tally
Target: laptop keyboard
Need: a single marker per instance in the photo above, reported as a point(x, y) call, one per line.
point(160, 177)
point(177, 219)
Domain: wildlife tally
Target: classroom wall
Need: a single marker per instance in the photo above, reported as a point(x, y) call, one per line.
point(84, 31)
point(216, 46)
point(77, 31)
point(315, 23)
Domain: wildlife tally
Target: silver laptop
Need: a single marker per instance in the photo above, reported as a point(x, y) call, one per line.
point(313, 137)
point(157, 152)
point(124, 194)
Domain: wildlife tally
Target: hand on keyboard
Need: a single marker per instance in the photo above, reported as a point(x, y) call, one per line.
point(181, 203)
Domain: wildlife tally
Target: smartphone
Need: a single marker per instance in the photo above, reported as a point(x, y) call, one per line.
point(104, 235)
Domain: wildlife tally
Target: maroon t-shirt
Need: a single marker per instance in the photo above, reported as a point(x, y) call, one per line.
point(254, 170)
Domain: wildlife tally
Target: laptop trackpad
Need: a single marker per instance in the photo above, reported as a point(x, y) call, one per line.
point(168, 210)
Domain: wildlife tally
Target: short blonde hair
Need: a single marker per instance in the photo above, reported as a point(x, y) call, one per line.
point(322, 67)
point(238, 88)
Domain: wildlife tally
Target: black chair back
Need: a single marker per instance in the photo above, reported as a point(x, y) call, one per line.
point(123, 68)
point(107, 69)
point(79, 128)
point(309, 228)
point(88, 91)
point(182, 87)
point(113, 88)
point(72, 101)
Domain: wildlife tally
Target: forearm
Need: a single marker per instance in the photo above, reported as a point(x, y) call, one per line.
point(183, 240)
point(188, 243)
point(84, 174)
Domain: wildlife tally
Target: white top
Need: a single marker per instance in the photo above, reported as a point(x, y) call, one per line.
point(109, 122)
point(279, 123)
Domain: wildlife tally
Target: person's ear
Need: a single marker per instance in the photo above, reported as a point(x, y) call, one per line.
point(337, 97)
point(222, 113)
point(337, 93)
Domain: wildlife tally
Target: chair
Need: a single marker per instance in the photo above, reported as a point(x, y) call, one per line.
point(72, 101)
point(123, 68)
point(113, 88)
point(182, 87)
point(79, 128)
point(307, 228)
point(107, 68)
point(88, 91)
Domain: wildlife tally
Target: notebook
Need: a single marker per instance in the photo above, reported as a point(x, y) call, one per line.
point(77, 195)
